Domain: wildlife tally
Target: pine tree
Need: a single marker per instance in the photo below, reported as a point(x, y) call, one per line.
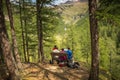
point(94, 72)
point(5, 45)
point(14, 41)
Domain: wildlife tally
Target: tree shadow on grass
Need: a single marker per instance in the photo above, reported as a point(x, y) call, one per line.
point(67, 74)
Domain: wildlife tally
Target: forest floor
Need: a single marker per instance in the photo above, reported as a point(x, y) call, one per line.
point(47, 71)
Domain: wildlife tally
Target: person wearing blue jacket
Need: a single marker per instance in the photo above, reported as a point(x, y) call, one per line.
point(69, 52)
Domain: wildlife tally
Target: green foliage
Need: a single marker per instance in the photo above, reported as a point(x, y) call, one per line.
point(116, 67)
point(109, 10)
point(70, 28)
point(108, 14)
point(73, 31)
point(49, 20)
point(29, 27)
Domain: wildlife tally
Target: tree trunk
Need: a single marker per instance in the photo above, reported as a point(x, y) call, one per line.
point(5, 45)
point(1, 55)
point(94, 72)
point(14, 42)
point(23, 36)
point(26, 40)
point(39, 6)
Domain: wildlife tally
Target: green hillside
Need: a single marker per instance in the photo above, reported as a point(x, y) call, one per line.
point(72, 10)
point(72, 26)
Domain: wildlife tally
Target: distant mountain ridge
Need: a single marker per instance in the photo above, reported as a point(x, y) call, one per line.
point(74, 1)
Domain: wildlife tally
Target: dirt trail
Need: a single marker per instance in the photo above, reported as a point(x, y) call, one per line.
point(52, 72)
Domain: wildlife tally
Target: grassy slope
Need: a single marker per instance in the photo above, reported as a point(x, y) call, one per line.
point(76, 9)
point(70, 15)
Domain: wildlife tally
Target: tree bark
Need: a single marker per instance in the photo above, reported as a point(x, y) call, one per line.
point(39, 6)
point(1, 55)
point(23, 36)
point(94, 72)
point(5, 45)
point(26, 40)
point(14, 41)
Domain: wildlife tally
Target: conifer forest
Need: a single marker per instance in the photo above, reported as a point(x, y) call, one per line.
point(29, 30)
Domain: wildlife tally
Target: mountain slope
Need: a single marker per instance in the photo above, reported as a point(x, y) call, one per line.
point(73, 10)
